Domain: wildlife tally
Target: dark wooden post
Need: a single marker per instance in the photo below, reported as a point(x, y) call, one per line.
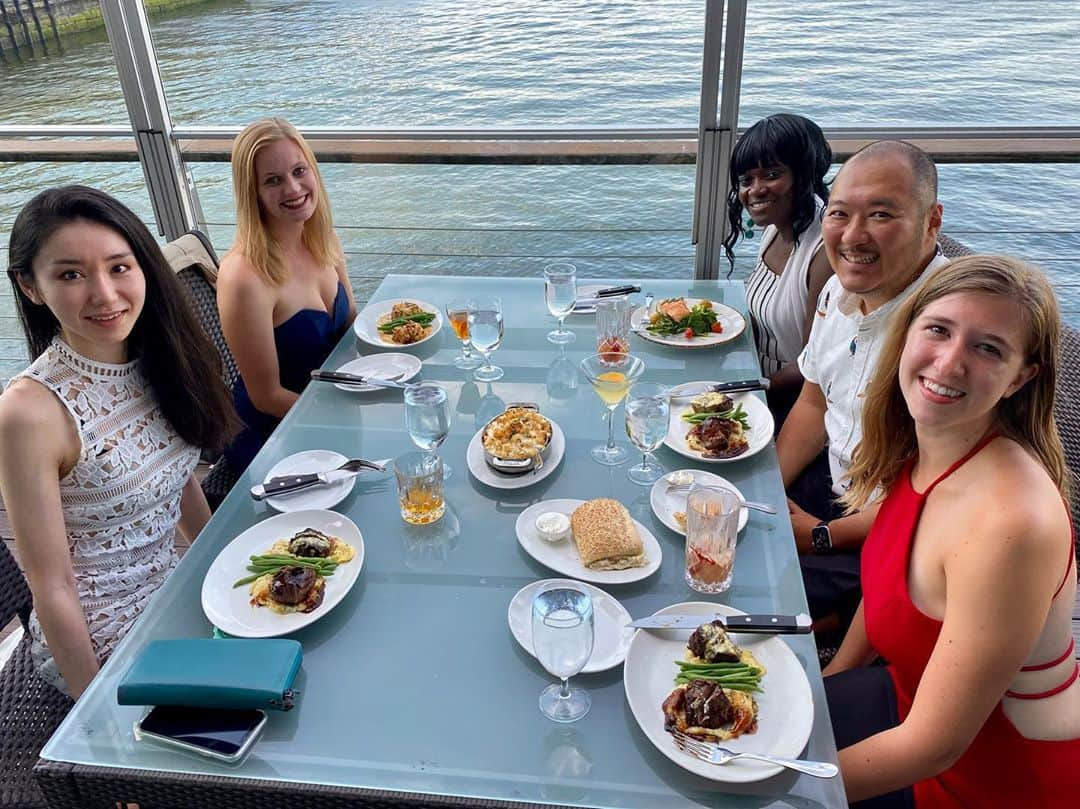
point(10, 30)
point(25, 28)
point(37, 25)
point(52, 21)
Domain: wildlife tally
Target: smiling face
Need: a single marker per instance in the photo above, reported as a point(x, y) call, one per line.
point(86, 275)
point(767, 194)
point(287, 188)
point(963, 354)
point(878, 235)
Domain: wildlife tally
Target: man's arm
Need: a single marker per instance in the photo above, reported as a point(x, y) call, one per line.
point(803, 434)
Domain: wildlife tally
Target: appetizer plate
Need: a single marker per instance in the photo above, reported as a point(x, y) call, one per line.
point(366, 325)
point(303, 463)
point(757, 413)
point(733, 323)
point(399, 367)
point(611, 632)
point(474, 459)
point(229, 608)
point(785, 705)
point(562, 556)
point(666, 502)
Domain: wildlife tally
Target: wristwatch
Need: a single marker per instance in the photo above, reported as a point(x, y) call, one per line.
point(820, 538)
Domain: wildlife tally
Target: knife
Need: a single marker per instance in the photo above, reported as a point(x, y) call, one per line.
point(290, 484)
point(354, 379)
point(611, 292)
point(761, 624)
point(724, 387)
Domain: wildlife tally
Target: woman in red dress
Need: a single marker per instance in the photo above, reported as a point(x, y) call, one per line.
point(968, 572)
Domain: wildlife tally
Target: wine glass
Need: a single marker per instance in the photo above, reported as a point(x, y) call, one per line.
point(486, 333)
point(560, 291)
point(611, 376)
point(648, 406)
point(562, 637)
point(427, 418)
point(457, 312)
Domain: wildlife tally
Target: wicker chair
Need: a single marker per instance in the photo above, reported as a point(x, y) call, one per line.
point(951, 248)
point(30, 708)
point(195, 264)
point(1067, 415)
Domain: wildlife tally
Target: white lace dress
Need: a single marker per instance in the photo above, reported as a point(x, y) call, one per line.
point(121, 501)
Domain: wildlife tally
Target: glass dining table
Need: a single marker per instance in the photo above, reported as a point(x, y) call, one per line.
point(413, 691)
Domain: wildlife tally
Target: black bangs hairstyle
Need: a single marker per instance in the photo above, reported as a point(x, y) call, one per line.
point(787, 139)
point(180, 364)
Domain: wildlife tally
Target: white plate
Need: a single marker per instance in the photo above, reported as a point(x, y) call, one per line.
point(367, 322)
point(303, 463)
point(665, 502)
point(757, 413)
point(399, 367)
point(229, 608)
point(729, 318)
point(785, 705)
point(474, 459)
point(611, 629)
point(562, 557)
point(588, 291)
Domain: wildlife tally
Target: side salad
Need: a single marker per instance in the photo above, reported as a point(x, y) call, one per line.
point(673, 317)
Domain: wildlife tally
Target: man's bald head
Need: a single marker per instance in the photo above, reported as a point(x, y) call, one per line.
point(924, 181)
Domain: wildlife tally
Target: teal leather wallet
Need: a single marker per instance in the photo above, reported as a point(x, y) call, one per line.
point(212, 673)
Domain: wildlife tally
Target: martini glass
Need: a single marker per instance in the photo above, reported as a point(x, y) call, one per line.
point(611, 376)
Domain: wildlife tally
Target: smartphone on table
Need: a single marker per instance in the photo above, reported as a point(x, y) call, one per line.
point(220, 733)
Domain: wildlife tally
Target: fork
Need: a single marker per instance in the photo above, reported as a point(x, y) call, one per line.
point(714, 754)
point(765, 508)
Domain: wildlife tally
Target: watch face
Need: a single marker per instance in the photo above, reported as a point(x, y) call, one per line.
point(820, 538)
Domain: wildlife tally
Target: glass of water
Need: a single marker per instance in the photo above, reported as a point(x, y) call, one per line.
point(486, 333)
point(427, 418)
point(560, 291)
point(648, 407)
point(562, 637)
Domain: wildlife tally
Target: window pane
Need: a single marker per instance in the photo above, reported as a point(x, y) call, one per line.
point(443, 63)
point(857, 63)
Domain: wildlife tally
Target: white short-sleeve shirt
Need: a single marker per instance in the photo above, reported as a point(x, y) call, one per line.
point(840, 358)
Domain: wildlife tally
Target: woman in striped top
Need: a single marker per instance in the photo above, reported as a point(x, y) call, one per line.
point(777, 176)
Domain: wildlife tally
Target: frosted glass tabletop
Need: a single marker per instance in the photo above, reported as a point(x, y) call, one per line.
point(414, 682)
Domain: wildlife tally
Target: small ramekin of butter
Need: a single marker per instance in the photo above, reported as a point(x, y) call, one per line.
point(553, 526)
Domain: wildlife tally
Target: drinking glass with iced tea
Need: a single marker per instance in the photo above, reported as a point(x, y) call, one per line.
point(457, 312)
point(420, 488)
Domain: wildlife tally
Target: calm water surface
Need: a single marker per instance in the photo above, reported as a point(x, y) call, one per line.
point(572, 62)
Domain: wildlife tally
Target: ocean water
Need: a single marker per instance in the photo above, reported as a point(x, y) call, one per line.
point(408, 63)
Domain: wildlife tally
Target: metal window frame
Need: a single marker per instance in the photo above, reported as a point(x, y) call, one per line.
point(170, 184)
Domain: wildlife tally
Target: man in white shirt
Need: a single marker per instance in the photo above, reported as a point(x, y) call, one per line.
point(880, 232)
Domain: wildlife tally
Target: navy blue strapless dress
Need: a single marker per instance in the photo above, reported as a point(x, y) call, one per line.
point(303, 343)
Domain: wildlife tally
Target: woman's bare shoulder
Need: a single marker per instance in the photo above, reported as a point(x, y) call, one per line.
point(237, 275)
point(31, 412)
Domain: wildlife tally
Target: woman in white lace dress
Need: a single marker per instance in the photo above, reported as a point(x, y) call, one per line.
point(100, 435)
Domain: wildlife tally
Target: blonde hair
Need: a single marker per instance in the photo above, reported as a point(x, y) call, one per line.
point(253, 240)
point(1026, 417)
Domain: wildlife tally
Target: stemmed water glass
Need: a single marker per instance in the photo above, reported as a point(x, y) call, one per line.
point(562, 636)
point(648, 407)
point(486, 333)
point(611, 376)
point(560, 291)
point(457, 312)
point(427, 418)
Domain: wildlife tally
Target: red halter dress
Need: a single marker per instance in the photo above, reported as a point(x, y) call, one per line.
point(1001, 768)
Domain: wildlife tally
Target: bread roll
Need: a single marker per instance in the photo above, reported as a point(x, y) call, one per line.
point(605, 536)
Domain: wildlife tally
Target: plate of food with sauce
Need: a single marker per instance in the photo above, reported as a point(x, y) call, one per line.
point(398, 323)
point(718, 427)
point(283, 573)
point(687, 323)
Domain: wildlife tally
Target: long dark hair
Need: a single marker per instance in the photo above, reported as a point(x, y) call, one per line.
point(178, 361)
point(787, 139)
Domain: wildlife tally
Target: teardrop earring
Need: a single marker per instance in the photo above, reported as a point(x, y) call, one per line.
point(749, 232)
